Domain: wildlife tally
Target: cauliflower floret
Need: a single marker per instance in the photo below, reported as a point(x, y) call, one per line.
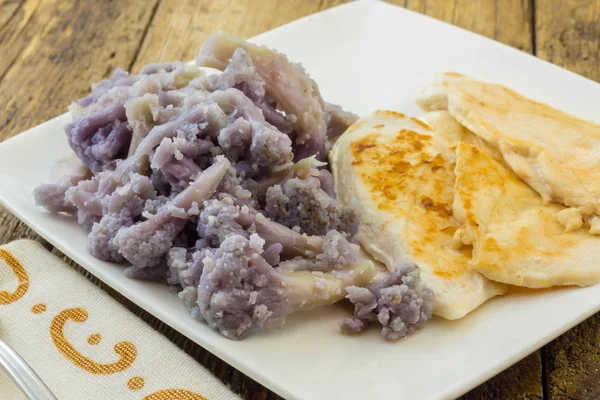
point(120, 209)
point(144, 244)
point(100, 240)
point(302, 202)
point(220, 219)
point(241, 292)
point(401, 303)
point(335, 252)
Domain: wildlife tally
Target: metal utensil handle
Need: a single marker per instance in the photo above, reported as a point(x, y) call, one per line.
point(22, 374)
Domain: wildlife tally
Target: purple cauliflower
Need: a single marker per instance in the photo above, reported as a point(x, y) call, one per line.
point(335, 252)
point(302, 203)
point(100, 137)
point(185, 265)
point(301, 169)
point(287, 83)
point(120, 209)
point(240, 292)
point(202, 119)
point(120, 78)
point(144, 244)
point(52, 196)
point(269, 148)
point(338, 120)
point(220, 219)
point(213, 184)
point(400, 302)
point(100, 240)
point(241, 74)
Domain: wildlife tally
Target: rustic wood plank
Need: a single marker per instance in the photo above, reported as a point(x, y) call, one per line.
point(8, 9)
point(180, 27)
point(14, 35)
point(51, 52)
point(11, 228)
point(573, 363)
point(568, 34)
point(68, 46)
point(521, 381)
point(507, 21)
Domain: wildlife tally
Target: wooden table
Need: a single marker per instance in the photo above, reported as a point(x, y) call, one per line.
point(50, 52)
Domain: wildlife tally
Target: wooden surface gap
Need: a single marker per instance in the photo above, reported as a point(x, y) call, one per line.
point(545, 387)
point(5, 19)
point(144, 34)
point(5, 72)
point(533, 27)
point(321, 3)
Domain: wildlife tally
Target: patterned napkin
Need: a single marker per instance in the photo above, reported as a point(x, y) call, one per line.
point(82, 342)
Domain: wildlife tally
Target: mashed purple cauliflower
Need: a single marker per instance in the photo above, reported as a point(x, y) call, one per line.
point(216, 185)
point(399, 302)
point(302, 203)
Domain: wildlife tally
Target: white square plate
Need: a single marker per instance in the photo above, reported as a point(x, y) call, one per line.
point(364, 56)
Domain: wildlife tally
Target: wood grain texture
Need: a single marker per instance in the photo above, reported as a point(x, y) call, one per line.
point(50, 53)
point(507, 21)
point(14, 33)
point(568, 34)
point(11, 228)
point(573, 363)
point(8, 8)
point(52, 50)
point(180, 27)
point(521, 381)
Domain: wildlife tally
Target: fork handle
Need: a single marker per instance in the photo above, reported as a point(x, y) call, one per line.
point(22, 374)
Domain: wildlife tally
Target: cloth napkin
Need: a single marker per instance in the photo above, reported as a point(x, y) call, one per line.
point(83, 343)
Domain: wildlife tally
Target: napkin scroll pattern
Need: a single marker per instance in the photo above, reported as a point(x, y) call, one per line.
point(126, 350)
point(20, 273)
